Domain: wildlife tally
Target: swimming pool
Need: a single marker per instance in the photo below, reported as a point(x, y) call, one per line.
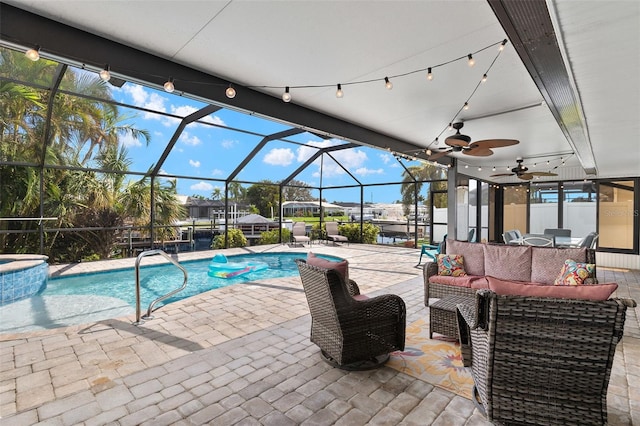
point(83, 298)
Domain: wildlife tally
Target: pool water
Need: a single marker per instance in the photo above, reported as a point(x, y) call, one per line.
point(83, 298)
point(158, 280)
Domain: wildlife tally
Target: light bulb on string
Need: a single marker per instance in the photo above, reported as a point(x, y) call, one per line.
point(466, 106)
point(429, 74)
point(339, 92)
point(466, 166)
point(501, 48)
point(168, 86)
point(286, 96)
point(230, 92)
point(493, 169)
point(436, 141)
point(471, 61)
point(428, 152)
point(479, 168)
point(484, 78)
point(450, 126)
point(105, 75)
point(34, 53)
point(387, 83)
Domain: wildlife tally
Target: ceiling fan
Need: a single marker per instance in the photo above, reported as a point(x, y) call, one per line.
point(522, 172)
point(462, 143)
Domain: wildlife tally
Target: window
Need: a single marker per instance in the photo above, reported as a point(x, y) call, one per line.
point(617, 215)
point(543, 210)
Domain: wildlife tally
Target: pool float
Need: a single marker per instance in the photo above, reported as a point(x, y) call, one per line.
point(221, 267)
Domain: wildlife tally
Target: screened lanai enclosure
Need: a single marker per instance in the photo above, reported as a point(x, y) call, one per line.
point(94, 166)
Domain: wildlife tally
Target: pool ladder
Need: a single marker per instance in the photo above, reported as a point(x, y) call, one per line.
point(161, 298)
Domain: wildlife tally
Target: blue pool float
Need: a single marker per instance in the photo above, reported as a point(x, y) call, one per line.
point(220, 267)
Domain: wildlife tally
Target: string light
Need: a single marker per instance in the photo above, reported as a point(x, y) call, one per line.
point(466, 106)
point(339, 92)
point(286, 96)
point(33, 54)
point(436, 142)
point(484, 78)
point(471, 61)
point(105, 75)
point(479, 168)
point(428, 151)
point(230, 92)
point(387, 83)
point(493, 169)
point(429, 74)
point(466, 166)
point(501, 48)
point(168, 86)
point(450, 126)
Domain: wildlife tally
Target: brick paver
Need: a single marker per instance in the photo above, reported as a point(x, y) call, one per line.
point(241, 355)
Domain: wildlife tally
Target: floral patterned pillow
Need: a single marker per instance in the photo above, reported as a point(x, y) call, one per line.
point(451, 265)
point(574, 273)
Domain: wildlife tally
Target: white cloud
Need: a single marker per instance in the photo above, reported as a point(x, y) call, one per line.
point(363, 171)
point(386, 158)
point(217, 172)
point(129, 141)
point(185, 110)
point(201, 186)
point(228, 143)
point(187, 139)
point(194, 163)
point(279, 157)
point(351, 159)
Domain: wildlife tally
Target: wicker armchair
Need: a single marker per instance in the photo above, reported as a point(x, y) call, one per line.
point(352, 333)
point(542, 360)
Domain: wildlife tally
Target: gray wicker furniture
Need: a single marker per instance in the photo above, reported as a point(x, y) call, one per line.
point(542, 360)
point(503, 261)
point(352, 333)
point(442, 315)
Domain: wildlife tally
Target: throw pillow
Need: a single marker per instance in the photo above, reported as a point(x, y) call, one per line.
point(342, 267)
point(574, 273)
point(451, 265)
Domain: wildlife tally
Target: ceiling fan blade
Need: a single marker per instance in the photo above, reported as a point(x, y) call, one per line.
point(525, 176)
point(502, 174)
point(437, 155)
point(542, 174)
point(458, 140)
point(495, 143)
point(478, 151)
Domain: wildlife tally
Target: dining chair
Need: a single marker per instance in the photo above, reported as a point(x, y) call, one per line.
point(541, 240)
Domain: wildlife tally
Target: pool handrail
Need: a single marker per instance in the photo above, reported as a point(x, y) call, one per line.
point(161, 298)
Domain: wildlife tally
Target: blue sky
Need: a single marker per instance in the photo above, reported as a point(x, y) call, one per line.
point(204, 151)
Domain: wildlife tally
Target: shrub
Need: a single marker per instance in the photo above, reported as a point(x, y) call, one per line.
point(352, 231)
point(273, 236)
point(236, 239)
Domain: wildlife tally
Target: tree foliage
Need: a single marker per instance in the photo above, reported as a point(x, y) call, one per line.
point(81, 133)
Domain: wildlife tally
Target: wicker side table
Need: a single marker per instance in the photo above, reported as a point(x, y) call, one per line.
point(442, 316)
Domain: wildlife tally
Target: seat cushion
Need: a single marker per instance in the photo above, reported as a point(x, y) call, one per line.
point(546, 262)
point(342, 267)
point(507, 262)
point(473, 255)
point(582, 292)
point(469, 281)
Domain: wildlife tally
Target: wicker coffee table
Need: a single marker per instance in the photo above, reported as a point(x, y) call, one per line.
point(442, 316)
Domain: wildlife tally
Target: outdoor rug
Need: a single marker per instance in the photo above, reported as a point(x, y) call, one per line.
point(435, 361)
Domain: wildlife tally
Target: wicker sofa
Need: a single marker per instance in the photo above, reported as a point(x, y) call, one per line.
point(486, 264)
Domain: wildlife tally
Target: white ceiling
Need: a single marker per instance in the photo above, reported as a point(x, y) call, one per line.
point(301, 43)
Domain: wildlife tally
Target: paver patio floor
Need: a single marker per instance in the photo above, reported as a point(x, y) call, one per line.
point(241, 355)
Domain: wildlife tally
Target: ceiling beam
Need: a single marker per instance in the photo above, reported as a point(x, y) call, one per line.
point(65, 43)
point(530, 29)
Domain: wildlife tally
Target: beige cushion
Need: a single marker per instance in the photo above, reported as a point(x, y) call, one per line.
point(583, 292)
point(342, 267)
point(467, 281)
point(508, 262)
point(546, 262)
point(473, 254)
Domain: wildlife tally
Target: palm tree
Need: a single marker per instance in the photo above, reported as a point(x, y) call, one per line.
point(413, 179)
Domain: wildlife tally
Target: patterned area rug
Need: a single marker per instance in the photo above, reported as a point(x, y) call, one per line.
point(434, 361)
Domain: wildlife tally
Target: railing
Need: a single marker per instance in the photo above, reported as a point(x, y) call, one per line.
point(161, 298)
